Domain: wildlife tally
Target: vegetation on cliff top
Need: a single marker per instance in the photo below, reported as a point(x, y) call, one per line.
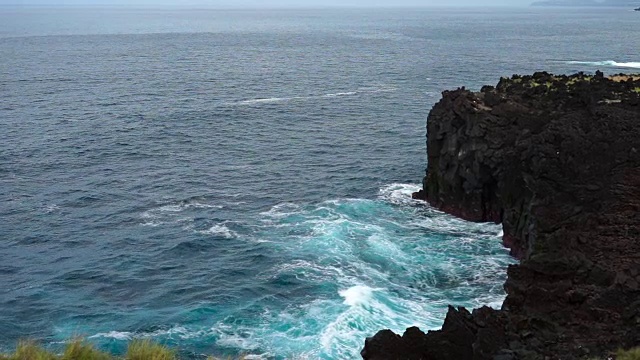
point(633, 354)
point(546, 82)
point(546, 88)
point(80, 349)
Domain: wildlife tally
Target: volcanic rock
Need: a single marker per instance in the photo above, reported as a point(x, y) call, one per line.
point(556, 160)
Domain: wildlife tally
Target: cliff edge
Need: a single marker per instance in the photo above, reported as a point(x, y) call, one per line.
point(556, 160)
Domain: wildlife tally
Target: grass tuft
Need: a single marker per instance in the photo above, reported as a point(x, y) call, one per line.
point(148, 350)
point(632, 354)
point(79, 349)
point(29, 350)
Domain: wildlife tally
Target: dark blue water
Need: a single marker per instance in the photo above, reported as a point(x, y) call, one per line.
point(238, 182)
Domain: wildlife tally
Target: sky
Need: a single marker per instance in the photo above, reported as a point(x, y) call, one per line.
point(276, 3)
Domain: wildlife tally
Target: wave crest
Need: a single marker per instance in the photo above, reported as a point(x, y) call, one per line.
point(219, 230)
point(357, 295)
point(278, 100)
point(398, 193)
point(611, 63)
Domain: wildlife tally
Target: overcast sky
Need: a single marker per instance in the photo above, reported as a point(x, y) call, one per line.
point(275, 3)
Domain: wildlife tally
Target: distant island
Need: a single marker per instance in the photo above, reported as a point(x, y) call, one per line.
point(590, 3)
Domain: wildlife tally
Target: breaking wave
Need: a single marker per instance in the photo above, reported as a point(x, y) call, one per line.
point(276, 100)
point(325, 276)
point(610, 63)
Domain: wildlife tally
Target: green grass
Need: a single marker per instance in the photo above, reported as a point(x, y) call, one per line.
point(548, 84)
point(29, 350)
point(80, 349)
point(632, 354)
point(532, 82)
point(148, 350)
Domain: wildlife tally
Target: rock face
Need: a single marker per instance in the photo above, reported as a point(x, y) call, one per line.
point(556, 160)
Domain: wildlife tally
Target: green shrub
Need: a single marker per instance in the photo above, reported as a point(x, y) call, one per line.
point(148, 350)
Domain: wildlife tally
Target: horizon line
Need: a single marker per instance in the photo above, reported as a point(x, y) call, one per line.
point(248, 7)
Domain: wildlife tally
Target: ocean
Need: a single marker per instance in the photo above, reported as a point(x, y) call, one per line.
point(237, 182)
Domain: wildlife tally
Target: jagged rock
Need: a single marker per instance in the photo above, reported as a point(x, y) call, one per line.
point(554, 159)
point(463, 336)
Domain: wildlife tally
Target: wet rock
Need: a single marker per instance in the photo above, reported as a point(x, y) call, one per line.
point(419, 195)
point(385, 342)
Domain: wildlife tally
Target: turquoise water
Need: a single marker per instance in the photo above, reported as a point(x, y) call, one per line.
point(238, 182)
point(312, 281)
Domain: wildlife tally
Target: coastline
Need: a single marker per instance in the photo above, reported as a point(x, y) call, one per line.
point(555, 159)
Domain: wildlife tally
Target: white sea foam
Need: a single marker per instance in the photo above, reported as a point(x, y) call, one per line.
point(185, 206)
point(266, 100)
point(374, 90)
point(275, 100)
point(170, 213)
point(445, 223)
point(231, 336)
point(369, 310)
point(398, 193)
point(633, 65)
point(357, 295)
point(51, 208)
point(341, 94)
point(176, 331)
point(205, 206)
point(386, 247)
point(220, 230)
point(118, 335)
point(180, 332)
point(171, 208)
point(281, 210)
point(313, 271)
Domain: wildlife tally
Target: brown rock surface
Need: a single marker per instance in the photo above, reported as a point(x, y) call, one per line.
point(556, 160)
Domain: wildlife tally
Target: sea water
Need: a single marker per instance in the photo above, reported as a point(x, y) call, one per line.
point(237, 182)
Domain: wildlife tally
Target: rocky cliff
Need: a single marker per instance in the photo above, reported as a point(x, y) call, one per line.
point(556, 160)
